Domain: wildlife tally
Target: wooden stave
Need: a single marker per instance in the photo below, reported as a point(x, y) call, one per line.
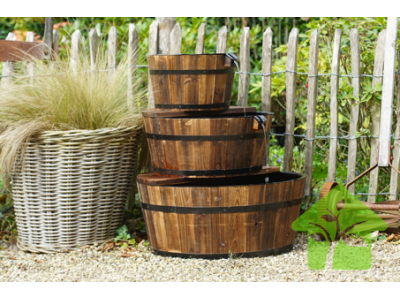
point(199, 91)
point(242, 239)
point(197, 159)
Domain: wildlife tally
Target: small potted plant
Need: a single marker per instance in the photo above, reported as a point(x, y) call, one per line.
point(69, 147)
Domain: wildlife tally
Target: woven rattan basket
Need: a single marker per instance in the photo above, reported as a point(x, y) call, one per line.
point(71, 187)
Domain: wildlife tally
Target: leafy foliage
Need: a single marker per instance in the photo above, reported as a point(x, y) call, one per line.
point(122, 234)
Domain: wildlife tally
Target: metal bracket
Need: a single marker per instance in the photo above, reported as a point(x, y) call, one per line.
point(391, 147)
point(259, 122)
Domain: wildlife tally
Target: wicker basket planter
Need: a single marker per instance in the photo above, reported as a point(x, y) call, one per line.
point(72, 187)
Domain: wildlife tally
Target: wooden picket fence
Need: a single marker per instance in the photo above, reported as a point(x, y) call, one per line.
point(165, 37)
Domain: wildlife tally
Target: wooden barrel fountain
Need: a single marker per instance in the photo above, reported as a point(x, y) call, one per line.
point(216, 217)
point(207, 144)
point(192, 82)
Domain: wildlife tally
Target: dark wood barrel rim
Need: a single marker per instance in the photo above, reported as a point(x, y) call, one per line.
point(260, 253)
point(208, 172)
point(192, 72)
point(233, 110)
point(204, 115)
point(194, 106)
point(301, 177)
point(201, 138)
point(221, 209)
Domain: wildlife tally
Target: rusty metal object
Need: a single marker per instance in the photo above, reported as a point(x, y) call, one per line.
point(372, 206)
point(363, 173)
point(326, 188)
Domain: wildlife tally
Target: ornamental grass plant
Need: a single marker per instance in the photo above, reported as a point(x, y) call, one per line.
point(60, 97)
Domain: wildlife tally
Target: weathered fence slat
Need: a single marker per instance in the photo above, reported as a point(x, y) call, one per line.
point(30, 37)
point(200, 39)
point(56, 44)
point(387, 91)
point(335, 69)
point(94, 47)
point(132, 63)
point(394, 176)
point(8, 67)
point(75, 45)
point(112, 49)
point(355, 108)
point(153, 44)
point(266, 80)
point(48, 38)
point(175, 44)
point(376, 115)
point(311, 109)
point(222, 40)
point(133, 44)
point(244, 78)
point(165, 26)
point(291, 65)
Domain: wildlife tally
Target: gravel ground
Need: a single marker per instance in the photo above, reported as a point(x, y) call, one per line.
point(89, 264)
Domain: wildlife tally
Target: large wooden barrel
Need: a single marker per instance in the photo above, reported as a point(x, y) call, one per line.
point(216, 217)
point(227, 143)
point(192, 82)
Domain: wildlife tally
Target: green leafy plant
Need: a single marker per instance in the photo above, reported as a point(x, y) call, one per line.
point(325, 220)
point(382, 237)
point(8, 230)
point(122, 234)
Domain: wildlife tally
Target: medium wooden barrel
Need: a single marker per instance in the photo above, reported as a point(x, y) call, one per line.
point(192, 82)
point(228, 143)
point(216, 217)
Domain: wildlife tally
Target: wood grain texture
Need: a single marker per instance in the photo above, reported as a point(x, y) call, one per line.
point(48, 38)
point(175, 44)
point(233, 110)
point(191, 89)
point(8, 66)
point(267, 61)
point(93, 47)
point(311, 109)
point(133, 43)
point(385, 131)
point(335, 69)
point(221, 233)
point(201, 155)
point(56, 44)
point(355, 108)
point(153, 48)
point(165, 26)
point(222, 40)
point(244, 79)
point(112, 49)
point(30, 37)
point(376, 115)
point(13, 50)
point(153, 179)
point(75, 45)
point(394, 178)
point(291, 65)
point(200, 39)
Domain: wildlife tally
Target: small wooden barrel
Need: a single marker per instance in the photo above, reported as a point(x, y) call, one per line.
point(192, 82)
point(213, 218)
point(227, 143)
